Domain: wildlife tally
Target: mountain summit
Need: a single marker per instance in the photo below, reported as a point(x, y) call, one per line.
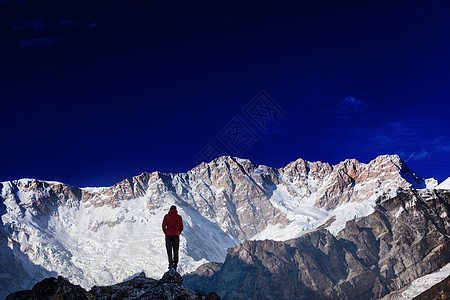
point(100, 236)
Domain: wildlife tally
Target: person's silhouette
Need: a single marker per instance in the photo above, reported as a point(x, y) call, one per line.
point(172, 226)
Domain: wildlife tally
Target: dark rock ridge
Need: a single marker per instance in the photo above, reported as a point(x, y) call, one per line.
point(405, 238)
point(52, 288)
point(139, 287)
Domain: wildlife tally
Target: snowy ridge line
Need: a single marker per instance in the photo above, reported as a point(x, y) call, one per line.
point(433, 182)
point(28, 180)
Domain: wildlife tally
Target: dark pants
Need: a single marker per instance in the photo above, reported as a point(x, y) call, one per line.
point(172, 245)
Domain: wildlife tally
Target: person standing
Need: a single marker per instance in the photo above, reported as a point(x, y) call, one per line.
point(172, 226)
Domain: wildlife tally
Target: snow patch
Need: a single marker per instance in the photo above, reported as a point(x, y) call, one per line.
point(349, 211)
point(93, 190)
point(431, 183)
point(422, 284)
point(304, 216)
point(445, 185)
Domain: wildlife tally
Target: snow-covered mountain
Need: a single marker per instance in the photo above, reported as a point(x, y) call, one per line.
point(407, 237)
point(101, 236)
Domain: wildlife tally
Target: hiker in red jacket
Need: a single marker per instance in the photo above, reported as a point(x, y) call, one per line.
point(172, 226)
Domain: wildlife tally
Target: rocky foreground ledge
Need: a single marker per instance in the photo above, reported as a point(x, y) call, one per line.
point(139, 287)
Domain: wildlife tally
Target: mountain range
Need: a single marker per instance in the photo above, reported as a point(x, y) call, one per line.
point(104, 235)
point(405, 238)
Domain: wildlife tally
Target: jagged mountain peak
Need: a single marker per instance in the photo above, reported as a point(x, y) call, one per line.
point(301, 178)
point(394, 158)
point(304, 165)
point(224, 161)
point(230, 163)
point(348, 166)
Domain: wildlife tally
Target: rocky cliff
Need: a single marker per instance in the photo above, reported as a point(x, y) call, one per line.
point(139, 287)
point(406, 237)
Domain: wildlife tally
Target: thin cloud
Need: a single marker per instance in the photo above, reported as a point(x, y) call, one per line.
point(432, 147)
point(442, 144)
point(400, 129)
point(39, 24)
point(394, 134)
point(421, 155)
point(351, 104)
point(433, 60)
point(40, 28)
point(37, 42)
point(32, 25)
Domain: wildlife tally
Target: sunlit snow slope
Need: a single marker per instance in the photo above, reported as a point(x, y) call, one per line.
point(445, 185)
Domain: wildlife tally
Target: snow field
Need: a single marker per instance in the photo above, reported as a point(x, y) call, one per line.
point(445, 185)
point(101, 245)
point(304, 216)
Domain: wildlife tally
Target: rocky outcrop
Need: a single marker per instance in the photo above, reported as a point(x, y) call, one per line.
point(52, 288)
point(139, 287)
point(405, 238)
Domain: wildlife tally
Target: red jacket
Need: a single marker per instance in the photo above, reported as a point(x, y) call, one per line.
point(172, 224)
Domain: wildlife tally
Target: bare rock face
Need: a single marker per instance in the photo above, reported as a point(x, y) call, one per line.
point(408, 237)
point(405, 238)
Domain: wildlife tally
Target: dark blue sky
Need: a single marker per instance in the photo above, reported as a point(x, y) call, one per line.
point(93, 92)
